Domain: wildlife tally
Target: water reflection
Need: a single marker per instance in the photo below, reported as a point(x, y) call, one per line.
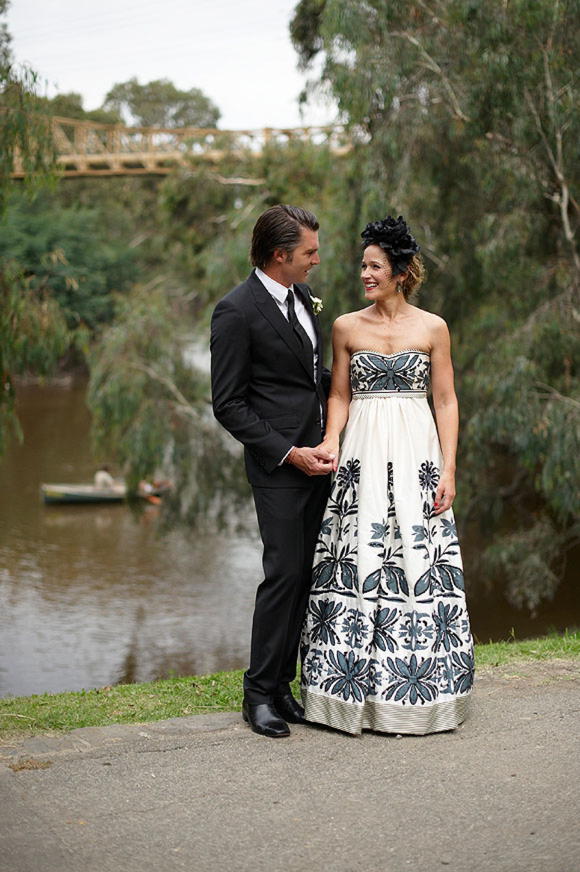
point(92, 595)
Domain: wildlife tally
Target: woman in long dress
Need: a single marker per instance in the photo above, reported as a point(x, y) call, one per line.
point(386, 643)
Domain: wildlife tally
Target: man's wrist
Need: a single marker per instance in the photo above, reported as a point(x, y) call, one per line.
point(290, 455)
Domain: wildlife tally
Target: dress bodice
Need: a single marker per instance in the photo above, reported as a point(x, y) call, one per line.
point(403, 373)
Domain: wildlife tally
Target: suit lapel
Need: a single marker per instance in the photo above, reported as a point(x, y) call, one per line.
point(269, 309)
point(305, 294)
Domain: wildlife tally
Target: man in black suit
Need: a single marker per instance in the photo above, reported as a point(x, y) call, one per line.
point(269, 390)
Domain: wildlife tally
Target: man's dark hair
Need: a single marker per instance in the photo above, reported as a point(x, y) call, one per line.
point(279, 227)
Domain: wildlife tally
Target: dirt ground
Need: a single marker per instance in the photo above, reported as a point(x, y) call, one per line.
point(527, 673)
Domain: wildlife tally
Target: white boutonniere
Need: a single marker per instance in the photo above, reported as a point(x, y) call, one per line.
point(317, 304)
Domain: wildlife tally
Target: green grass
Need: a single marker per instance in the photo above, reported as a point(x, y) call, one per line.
point(121, 704)
point(549, 647)
point(220, 692)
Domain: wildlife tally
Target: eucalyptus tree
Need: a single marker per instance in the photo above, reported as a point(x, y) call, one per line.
point(471, 112)
point(160, 104)
point(25, 133)
point(70, 105)
point(33, 331)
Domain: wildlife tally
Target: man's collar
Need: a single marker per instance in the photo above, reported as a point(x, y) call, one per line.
point(278, 291)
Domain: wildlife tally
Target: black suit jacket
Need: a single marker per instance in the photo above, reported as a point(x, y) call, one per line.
point(263, 391)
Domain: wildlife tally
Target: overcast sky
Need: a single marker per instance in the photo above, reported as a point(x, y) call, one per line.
point(237, 51)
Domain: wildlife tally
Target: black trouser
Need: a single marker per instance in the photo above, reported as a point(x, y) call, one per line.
point(289, 521)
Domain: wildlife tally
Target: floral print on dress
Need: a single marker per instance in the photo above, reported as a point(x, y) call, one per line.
point(406, 371)
point(386, 621)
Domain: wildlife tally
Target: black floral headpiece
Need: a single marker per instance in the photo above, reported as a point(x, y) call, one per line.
point(395, 238)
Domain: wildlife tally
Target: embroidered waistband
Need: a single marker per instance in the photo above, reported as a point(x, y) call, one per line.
point(374, 395)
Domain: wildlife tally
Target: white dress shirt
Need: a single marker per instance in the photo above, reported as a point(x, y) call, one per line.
point(280, 293)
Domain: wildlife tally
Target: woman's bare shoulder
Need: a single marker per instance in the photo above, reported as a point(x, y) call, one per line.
point(344, 324)
point(435, 324)
point(351, 319)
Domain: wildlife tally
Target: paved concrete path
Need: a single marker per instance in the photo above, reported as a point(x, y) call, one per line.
point(500, 794)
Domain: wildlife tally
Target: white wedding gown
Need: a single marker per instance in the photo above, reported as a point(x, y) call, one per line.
point(386, 643)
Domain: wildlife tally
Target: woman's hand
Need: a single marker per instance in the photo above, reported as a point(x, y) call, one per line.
point(332, 445)
point(445, 493)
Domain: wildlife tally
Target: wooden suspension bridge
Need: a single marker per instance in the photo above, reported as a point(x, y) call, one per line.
point(84, 148)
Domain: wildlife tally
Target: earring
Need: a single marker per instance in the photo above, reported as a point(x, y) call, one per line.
point(399, 287)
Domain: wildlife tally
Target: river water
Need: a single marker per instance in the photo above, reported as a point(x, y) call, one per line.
point(94, 595)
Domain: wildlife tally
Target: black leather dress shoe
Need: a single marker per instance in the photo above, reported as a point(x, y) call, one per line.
point(265, 720)
point(290, 710)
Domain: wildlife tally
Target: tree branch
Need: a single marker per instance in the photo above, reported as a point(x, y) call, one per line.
point(183, 404)
point(437, 21)
point(557, 166)
point(550, 153)
point(247, 211)
point(552, 394)
point(432, 65)
point(441, 262)
point(237, 181)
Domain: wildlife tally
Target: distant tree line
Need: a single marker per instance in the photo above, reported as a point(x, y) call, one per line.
point(153, 104)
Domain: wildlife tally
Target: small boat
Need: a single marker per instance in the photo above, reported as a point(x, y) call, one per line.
point(88, 493)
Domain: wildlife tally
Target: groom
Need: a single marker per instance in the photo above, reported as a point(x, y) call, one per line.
point(269, 390)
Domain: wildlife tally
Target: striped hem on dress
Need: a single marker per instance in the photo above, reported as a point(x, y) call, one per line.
point(385, 717)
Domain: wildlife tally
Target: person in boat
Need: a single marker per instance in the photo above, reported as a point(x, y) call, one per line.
point(103, 479)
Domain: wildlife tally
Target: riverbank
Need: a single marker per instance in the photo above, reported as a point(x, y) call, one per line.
point(219, 692)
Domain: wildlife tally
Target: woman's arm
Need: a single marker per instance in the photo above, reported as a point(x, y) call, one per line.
point(339, 397)
point(446, 411)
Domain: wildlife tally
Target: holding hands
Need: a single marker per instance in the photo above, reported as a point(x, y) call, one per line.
point(312, 461)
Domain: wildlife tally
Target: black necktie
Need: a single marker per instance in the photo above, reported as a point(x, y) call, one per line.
point(298, 328)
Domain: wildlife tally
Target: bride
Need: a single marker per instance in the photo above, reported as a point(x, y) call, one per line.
point(386, 643)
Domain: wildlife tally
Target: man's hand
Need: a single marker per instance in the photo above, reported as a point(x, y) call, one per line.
point(312, 461)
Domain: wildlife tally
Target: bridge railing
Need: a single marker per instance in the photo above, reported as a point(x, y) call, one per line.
point(89, 148)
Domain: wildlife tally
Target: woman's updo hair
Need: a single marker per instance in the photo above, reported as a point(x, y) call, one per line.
point(415, 277)
point(401, 248)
